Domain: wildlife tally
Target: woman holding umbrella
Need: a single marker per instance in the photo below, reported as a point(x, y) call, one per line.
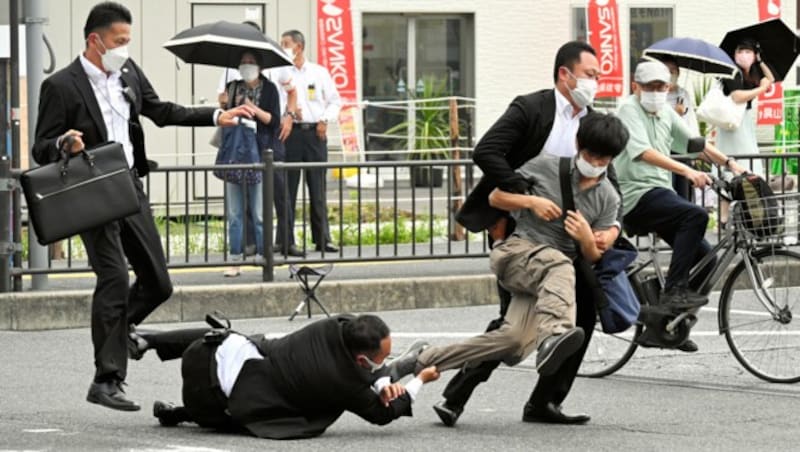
point(753, 79)
point(255, 91)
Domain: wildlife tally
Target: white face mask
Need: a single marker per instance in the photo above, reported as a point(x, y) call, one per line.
point(584, 91)
point(249, 72)
point(587, 169)
point(114, 58)
point(289, 52)
point(373, 366)
point(653, 101)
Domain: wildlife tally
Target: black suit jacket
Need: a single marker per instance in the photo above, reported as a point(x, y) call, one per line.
point(306, 380)
point(515, 138)
point(67, 101)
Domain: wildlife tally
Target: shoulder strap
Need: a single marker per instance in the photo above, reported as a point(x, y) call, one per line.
point(566, 184)
point(567, 200)
point(232, 93)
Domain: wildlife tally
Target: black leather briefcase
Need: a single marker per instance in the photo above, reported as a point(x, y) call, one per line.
point(79, 193)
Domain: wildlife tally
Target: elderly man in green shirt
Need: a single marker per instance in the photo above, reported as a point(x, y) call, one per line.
point(644, 170)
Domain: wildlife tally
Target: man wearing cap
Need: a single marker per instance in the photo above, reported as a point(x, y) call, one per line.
point(644, 170)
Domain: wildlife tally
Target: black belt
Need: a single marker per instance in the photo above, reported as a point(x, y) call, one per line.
point(306, 125)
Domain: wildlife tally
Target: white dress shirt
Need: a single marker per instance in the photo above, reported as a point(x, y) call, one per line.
point(412, 387)
point(561, 141)
point(280, 76)
point(231, 356)
point(317, 96)
point(114, 107)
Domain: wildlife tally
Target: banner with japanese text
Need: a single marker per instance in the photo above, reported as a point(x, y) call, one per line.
point(604, 36)
point(770, 104)
point(336, 53)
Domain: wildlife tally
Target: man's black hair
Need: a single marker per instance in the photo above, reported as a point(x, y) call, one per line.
point(296, 36)
point(103, 15)
point(570, 54)
point(602, 135)
point(364, 334)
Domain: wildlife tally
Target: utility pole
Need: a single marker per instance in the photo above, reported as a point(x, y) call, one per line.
point(34, 17)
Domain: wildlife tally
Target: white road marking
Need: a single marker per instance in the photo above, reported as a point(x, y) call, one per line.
point(174, 448)
point(42, 430)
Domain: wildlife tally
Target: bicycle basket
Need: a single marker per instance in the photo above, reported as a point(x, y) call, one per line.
point(759, 211)
point(768, 219)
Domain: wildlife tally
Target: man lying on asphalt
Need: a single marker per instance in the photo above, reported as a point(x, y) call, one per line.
point(292, 387)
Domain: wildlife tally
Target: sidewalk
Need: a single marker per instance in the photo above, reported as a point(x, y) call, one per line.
point(350, 287)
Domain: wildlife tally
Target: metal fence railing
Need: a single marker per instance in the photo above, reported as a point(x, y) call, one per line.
point(377, 211)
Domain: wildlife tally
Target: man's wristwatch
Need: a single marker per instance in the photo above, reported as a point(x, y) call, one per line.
point(292, 114)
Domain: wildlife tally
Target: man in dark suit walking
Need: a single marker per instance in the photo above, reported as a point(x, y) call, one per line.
point(544, 121)
point(99, 97)
point(292, 387)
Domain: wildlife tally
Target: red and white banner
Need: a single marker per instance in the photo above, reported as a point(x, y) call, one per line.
point(335, 45)
point(770, 104)
point(603, 20)
point(335, 52)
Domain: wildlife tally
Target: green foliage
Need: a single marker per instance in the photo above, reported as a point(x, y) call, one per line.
point(432, 126)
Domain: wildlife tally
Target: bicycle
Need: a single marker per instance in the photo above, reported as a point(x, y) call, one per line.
point(759, 329)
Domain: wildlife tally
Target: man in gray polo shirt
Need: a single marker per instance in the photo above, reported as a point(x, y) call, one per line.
point(644, 171)
point(535, 263)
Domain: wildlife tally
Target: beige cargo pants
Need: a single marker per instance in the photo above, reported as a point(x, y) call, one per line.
point(541, 280)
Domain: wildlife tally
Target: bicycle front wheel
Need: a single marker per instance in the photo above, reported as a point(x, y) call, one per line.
point(764, 339)
point(607, 353)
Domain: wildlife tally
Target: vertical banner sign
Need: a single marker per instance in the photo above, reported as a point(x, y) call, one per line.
point(335, 52)
point(770, 104)
point(604, 37)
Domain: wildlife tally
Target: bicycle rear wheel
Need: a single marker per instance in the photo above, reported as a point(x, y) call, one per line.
point(607, 353)
point(766, 344)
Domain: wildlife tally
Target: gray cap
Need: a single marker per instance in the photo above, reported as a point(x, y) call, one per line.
point(651, 71)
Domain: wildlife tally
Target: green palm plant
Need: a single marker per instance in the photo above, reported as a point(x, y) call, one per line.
point(431, 127)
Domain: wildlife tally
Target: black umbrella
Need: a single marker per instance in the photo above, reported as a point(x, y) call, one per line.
point(222, 43)
point(779, 44)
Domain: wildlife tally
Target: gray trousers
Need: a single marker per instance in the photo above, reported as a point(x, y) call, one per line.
point(303, 145)
point(541, 280)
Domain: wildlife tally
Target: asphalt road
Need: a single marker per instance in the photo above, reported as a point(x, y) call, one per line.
point(661, 400)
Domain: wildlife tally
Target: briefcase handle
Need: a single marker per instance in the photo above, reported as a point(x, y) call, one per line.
point(65, 156)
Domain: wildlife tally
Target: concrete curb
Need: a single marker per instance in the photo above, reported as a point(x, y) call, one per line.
point(28, 311)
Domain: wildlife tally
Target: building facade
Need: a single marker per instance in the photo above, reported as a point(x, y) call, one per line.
point(490, 50)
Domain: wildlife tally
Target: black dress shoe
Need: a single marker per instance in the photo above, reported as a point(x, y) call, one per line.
point(689, 346)
point(557, 348)
point(110, 395)
point(552, 414)
point(328, 248)
point(406, 362)
point(447, 413)
point(168, 414)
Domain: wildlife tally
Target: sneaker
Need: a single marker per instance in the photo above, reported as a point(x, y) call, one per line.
point(682, 298)
point(554, 350)
point(231, 272)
